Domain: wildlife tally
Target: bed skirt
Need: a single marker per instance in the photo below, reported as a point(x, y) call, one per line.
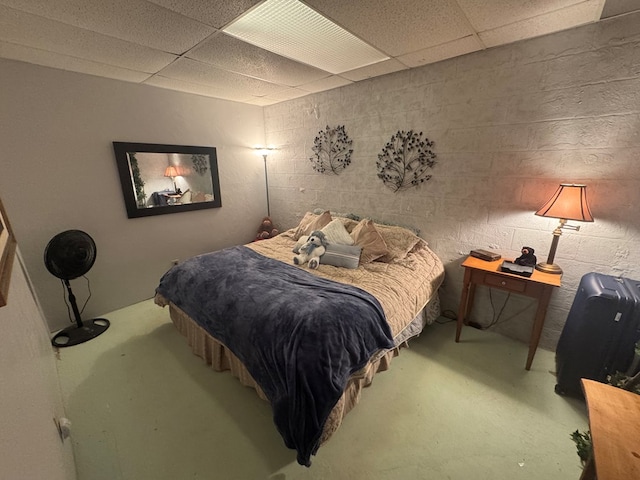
point(220, 358)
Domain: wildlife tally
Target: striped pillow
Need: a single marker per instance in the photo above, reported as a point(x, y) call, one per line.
point(347, 256)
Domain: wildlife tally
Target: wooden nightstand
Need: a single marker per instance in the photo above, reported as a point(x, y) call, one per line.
point(614, 421)
point(539, 286)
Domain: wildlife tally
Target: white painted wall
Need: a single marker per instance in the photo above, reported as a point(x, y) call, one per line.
point(58, 172)
point(30, 447)
point(509, 125)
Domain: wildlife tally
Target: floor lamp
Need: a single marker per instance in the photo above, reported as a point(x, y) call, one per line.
point(265, 151)
point(568, 203)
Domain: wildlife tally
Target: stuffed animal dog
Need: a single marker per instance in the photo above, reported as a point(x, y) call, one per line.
point(312, 250)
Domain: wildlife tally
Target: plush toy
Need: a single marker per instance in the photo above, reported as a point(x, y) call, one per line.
point(266, 230)
point(528, 259)
point(312, 250)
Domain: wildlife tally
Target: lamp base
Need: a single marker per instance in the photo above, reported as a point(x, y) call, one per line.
point(549, 268)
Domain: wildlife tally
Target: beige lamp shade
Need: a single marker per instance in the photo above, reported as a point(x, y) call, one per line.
point(171, 171)
point(569, 203)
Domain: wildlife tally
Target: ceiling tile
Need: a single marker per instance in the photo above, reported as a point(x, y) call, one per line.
point(65, 62)
point(200, 73)
point(583, 13)
point(214, 13)
point(485, 15)
point(136, 21)
point(229, 53)
point(37, 32)
point(288, 94)
point(619, 7)
point(325, 84)
point(452, 49)
point(375, 70)
point(196, 88)
point(261, 101)
point(400, 26)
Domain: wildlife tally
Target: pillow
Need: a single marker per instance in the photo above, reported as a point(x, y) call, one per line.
point(373, 245)
point(399, 241)
point(197, 197)
point(186, 197)
point(351, 216)
point(349, 223)
point(347, 256)
point(354, 216)
point(335, 232)
point(299, 243)
point(311, 222)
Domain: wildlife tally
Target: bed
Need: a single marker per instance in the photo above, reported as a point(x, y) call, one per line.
point(308, 341)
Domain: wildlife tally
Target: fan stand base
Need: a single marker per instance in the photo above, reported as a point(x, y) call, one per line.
point(74, 335)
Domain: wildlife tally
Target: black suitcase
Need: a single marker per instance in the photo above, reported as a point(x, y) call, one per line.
point(599, 336)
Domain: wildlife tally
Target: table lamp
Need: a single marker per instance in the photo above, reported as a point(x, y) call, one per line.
point(172, 172)
point(568, 203)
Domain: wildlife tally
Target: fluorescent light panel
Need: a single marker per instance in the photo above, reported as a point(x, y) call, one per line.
point(292, 29)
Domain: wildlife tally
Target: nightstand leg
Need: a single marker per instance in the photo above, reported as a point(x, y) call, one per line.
point(470, 300)
point(466, 300)
point(538, 323)
point(589, 470)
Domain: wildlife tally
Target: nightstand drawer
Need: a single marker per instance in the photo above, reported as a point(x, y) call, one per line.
point(508, 283)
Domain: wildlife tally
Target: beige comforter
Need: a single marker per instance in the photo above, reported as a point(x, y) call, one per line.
point(402, 287)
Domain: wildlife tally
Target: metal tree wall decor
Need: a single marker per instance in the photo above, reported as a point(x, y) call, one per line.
point(332, 152)
point(405, 160)
point(200, 163)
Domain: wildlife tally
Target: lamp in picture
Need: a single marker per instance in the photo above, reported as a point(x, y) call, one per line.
point(172, 172)
point(264, 152)
point(568, 203)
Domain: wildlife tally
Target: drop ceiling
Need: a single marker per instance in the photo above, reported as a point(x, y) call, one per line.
point(182, 45)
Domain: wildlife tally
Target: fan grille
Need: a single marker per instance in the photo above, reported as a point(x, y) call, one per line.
point(70, 254)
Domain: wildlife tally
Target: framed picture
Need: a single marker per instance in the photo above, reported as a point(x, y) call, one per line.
point(158, 179)
point(7, 254)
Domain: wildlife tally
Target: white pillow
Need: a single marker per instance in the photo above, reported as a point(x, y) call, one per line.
point(335, 232)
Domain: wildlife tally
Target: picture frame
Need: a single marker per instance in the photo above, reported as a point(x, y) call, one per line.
point(8, 246)
point(158, 179)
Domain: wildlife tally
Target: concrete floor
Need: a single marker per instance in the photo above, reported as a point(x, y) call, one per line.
point(142, 406)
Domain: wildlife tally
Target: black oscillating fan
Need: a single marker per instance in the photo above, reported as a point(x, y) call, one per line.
point(70, 255)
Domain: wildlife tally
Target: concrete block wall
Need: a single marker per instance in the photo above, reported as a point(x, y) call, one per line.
point(509, 124)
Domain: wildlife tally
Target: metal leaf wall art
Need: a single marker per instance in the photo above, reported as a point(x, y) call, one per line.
point(405, 160)
point(200, 163)
point(332, 150)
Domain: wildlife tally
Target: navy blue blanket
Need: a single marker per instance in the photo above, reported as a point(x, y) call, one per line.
point(300, 336)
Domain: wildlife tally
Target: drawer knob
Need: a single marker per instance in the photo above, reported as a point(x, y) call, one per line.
point(503, 283)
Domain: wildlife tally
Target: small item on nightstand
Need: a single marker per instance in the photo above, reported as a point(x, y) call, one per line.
point(527, 258)
point(514, 268)
point(485, 255)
